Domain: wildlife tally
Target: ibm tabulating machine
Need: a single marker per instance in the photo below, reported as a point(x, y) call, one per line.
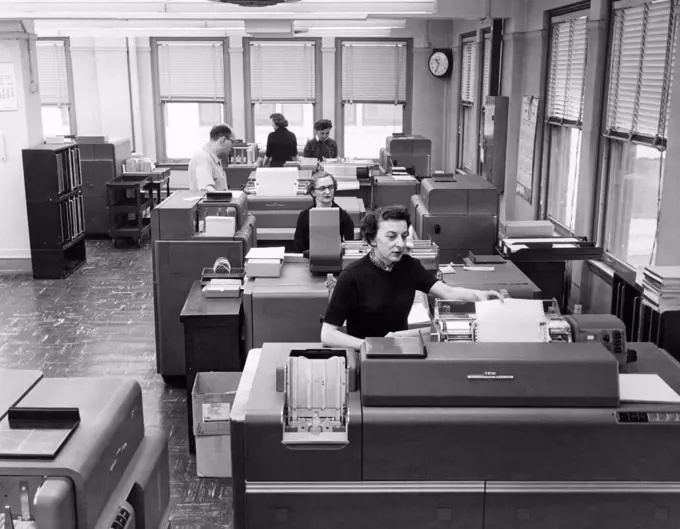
point(75, 454)
point(461, 432)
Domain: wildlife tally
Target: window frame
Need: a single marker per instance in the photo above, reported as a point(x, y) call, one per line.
point(159, 105)
point(605, 159)
point(73, 124)
point(339, 121)
point(567, 13)
point(317, 105)
point(468, 110)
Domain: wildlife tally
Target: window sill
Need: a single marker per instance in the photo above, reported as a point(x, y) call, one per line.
point(177, 166)
point(602, 270)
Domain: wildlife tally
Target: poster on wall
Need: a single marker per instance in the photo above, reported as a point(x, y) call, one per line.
point(8, 88)
point(527, 144)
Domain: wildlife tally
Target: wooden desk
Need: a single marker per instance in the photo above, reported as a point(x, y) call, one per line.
point(212, 339)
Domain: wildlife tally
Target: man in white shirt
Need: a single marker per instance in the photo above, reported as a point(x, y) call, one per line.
point(205, 169)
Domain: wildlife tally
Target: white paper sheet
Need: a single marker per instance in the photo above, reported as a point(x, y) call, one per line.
point(637, 387)
point(510, 321)
point(278, 181)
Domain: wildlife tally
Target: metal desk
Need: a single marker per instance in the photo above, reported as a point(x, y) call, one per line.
point(14, 384)
point(504, 276)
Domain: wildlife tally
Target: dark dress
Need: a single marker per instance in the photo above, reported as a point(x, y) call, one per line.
point(375, 302)
point(281, 147)
point(321, 149)
point(301, 238)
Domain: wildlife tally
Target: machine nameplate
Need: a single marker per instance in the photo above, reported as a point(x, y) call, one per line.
point(491, 375)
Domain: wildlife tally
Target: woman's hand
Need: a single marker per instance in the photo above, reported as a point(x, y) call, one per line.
point(422, 331)
point(483, 295)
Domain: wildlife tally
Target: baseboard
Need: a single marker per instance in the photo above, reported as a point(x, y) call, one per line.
point(13, 265)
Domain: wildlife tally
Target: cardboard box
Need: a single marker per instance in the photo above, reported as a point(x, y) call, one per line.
point(212, 398)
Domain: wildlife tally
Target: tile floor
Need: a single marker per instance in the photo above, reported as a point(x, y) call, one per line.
point(100, 322)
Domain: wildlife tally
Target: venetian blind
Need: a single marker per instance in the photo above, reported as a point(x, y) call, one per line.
point(52, 73)
point(486, 71)
point(468, 78)
point(282, 71)
point(641, 70)
point(567, 72)
point(374, 72)
point(191, 70)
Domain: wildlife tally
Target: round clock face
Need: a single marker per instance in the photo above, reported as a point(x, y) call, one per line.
point(439, 63)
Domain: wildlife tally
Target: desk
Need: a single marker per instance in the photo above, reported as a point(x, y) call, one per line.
point(212, 339)
point(504, 276)
point(14, 384)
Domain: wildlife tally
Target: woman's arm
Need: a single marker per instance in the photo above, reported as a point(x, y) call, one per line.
point(444, 291)
point(332, 336)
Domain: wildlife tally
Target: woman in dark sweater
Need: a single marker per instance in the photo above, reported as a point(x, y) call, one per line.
point(374, 295)
point(281, 144)
point(322, 188)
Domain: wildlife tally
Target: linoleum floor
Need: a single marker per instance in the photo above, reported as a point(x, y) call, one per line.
point(100, 322)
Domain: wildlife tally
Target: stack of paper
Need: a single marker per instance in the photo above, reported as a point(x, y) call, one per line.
point(511, 321)
point(222, 288)
point(420, 311)
point(265, 262)
point(661, 286)
point(638, 387)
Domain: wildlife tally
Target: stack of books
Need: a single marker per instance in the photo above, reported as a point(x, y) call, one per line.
point(661, 286)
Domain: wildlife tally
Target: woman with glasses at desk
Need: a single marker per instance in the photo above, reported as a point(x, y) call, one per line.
point(374, 295)
point(322, 188)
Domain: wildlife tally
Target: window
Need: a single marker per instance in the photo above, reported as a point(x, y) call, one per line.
point(55, 95)
point(374, 95)
point(283, 80)
point(467, 135)
point(564, 115)
point(191, 94)
point(641, 72)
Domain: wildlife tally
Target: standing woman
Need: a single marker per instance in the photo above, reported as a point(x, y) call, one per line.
point(281, 144)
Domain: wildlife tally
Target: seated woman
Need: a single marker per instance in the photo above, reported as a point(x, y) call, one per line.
point(322, 147)
point(322, 188)
point(281, 144)
point(374, 295)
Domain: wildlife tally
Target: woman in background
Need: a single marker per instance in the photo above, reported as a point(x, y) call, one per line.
point(281, 144)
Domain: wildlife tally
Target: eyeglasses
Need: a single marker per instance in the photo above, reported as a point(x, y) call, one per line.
point(324, 188)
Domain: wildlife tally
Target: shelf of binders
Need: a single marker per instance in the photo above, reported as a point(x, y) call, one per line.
point(54, 202)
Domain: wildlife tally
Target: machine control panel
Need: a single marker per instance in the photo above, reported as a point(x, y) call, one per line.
point(637, 417)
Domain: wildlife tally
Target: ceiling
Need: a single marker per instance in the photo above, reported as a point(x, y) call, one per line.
point(210, 18)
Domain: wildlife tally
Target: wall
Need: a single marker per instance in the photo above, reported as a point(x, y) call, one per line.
point(102, 92)
point(20, 129)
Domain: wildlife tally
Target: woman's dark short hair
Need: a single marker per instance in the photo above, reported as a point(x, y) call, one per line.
point(279, 120)
point(221, 130)
point(323, 124)
point(371, 221)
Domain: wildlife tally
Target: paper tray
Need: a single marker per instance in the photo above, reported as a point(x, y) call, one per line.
point(37, 433)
